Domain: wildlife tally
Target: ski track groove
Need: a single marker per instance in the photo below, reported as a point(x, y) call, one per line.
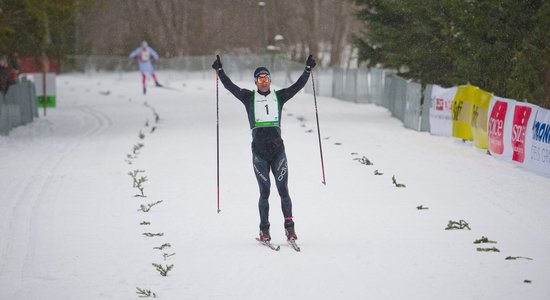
point(20, 245)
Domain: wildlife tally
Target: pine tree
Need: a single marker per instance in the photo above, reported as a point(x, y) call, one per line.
point(500, 46)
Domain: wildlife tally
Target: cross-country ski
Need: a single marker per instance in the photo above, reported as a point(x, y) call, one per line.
point(269, 244)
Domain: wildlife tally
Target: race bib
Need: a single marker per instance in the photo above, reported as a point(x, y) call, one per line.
point(145, 55)
point(266, 110)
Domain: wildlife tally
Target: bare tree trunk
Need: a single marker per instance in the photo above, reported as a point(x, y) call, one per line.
point(313, 38)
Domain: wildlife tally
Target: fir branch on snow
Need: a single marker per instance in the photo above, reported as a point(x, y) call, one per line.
point(166, 245)
point(494, 249)
point(166, 255)
point(147, 208)
point(163, 270)
point(483, 240)
point(457, 225)
point(134, 174)
point(421, 207)
point(397, 184)
point(137, 147)
point(147, 123)
point(364, 160)
point(527, 281)
point(148, 234)
point(309, 131)
point(141, 180)
point(157, 117)
point(138, 185)
point(376, 172)
point(141, 135)
point(517, 257)
point(153, 129)
point(143, 293)
point(145, 223)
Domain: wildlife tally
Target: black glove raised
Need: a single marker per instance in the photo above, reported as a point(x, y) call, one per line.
point(217, 65)
point(310, 63)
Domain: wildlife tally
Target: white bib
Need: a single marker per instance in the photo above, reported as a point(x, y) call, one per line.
point(145, 55)
point(266, 110)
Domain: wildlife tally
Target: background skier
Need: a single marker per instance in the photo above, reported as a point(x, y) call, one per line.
point(144, 55)
point(264, 109)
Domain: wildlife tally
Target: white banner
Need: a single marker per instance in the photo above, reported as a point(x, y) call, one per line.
point(38, 79)
point(538, 142)
point(440, 110)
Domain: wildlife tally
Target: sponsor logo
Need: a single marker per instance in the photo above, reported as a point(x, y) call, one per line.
point(439, 104)
point(519, 128)
point(283, 168)
point(258, 172)
point(541, 132)
point(496, 127)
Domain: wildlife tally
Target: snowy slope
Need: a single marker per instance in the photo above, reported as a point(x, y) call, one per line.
point(70, 224)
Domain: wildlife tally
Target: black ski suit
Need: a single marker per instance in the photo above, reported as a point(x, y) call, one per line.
point(268, 150)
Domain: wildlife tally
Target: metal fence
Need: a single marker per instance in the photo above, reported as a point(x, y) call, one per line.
point(18, 107)
point(377, 86)
point(404, 99)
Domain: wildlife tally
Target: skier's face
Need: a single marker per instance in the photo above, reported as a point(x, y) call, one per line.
point(263, 83)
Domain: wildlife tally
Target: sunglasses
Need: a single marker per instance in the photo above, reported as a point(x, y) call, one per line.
point(263, 78)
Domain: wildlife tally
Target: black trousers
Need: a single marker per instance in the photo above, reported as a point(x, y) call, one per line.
point(278, 165)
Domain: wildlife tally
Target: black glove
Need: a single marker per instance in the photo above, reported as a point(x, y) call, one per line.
point(217, 65)
point(310, 63)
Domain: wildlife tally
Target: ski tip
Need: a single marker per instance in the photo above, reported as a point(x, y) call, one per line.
point(219, 210)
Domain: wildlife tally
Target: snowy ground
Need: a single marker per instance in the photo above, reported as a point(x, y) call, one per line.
point(70, 225)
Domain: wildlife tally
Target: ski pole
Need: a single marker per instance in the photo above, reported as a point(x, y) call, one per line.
point(318, 128)
point(218, 139)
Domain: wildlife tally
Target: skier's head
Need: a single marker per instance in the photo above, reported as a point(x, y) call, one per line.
point(144, 44)
point(262, 78)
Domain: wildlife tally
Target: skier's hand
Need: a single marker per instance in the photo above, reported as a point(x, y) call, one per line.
point(310, 63)
point(217, 65)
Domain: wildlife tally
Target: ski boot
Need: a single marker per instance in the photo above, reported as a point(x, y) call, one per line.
point(290, 233)
point(144, 90)
point(264, 235)
point(158, 84)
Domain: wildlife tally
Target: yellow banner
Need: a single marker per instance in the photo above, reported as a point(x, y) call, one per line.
point(462, 112)
point(482, 101)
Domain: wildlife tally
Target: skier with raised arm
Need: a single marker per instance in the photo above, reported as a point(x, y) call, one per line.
point(144, 55)
point(264, 107)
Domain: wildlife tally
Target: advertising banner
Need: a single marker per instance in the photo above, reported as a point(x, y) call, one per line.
point(521, 126)
point(462, 112)
point(440, 110)
point(538, 142)
point(481, 102)
point(38, 79)
point(499, 127)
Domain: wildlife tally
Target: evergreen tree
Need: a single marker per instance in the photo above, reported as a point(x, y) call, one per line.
point(36, 27)
point(500, 46)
